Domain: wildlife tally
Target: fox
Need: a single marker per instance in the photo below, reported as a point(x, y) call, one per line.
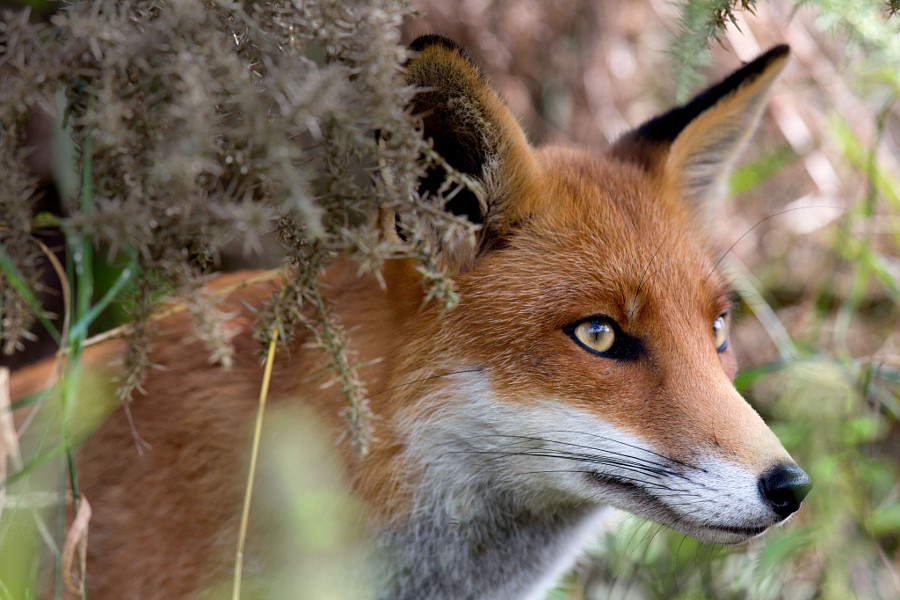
point(587, 365)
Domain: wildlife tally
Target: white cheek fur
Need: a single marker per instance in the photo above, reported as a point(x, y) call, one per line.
point(546, 453)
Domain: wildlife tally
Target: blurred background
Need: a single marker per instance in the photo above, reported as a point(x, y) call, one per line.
point(812, 232)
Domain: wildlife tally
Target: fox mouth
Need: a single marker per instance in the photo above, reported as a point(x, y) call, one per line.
point(747, 532)
point(645, 504)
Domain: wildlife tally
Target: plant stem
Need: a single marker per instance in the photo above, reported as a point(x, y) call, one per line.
point(254, 454)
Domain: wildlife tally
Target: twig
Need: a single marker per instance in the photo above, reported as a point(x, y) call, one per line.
point(175, 308)
point(9, 442)
point(76, 539)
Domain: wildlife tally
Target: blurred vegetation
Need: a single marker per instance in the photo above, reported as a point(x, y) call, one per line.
point(184, 134)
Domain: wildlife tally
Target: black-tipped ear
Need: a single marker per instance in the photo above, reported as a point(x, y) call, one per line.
point(694, 146)
point(473, 132)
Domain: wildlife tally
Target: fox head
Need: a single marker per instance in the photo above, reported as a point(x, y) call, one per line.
point(588, 359)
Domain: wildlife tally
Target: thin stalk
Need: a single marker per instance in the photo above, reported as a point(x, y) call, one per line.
point(81, 251)
point(254, 454)
point(60, 534)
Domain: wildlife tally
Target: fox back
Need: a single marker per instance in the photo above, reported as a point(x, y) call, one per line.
point(587, 364)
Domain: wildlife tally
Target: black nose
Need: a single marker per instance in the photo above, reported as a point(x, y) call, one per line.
point(784, 488)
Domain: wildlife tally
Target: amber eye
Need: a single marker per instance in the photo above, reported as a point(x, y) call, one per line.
point(597, 335)
point(720, 333)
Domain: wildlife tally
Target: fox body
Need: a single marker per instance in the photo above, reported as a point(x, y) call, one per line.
point(586, 365)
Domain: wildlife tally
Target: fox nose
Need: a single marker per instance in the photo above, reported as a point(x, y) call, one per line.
point(784, 488)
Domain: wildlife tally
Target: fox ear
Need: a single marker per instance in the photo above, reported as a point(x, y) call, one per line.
point(474, 133)
point(692, 147)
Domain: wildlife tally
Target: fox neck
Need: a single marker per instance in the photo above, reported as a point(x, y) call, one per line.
point(471, 529)
point(499, 553)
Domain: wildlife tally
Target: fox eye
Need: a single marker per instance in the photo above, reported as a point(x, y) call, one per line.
point(597, 335)
point(720, 334)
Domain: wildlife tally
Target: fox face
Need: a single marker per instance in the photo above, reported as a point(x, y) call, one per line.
point(602, 366)
point(588, 361)
point(597, 319)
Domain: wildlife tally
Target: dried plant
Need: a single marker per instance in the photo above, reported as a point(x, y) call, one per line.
point(200, 125)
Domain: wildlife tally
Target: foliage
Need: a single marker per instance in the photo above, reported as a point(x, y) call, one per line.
point(701, 21)
point(198, 126)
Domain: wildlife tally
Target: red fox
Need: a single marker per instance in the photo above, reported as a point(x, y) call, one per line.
point(586, 365)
